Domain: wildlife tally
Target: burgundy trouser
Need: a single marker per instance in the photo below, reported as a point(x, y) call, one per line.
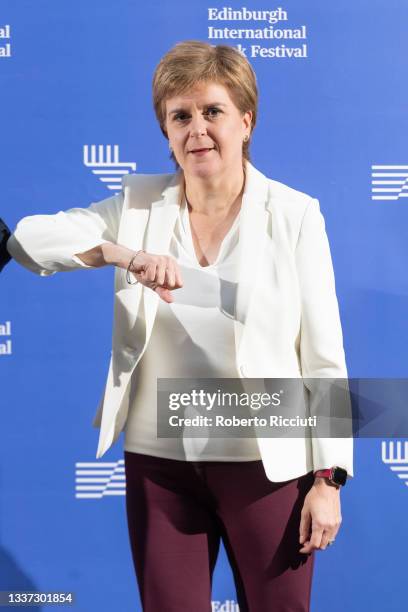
point(179, 510)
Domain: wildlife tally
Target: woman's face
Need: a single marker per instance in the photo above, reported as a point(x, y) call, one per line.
point(206, 130)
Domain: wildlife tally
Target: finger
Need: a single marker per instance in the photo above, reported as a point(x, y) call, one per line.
point(327, 537)
point(179, 280)
point(316, 537)
point(150, 272)
point(330, 534)
point(315, 540)
point(304, 528)
point(164, 294)
point(170, 278)
point(306, 548)
point(161, 271)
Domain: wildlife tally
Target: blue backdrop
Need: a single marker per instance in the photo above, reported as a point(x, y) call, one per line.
point(75, 74)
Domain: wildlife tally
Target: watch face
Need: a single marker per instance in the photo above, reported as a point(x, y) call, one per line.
point(340, 476)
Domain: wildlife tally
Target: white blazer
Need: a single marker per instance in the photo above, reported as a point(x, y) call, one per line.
point(287, 320)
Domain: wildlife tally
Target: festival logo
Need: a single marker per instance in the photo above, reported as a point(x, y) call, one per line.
point(94, 480)
point(104, 163)
point(389, 182)
point(395, 455)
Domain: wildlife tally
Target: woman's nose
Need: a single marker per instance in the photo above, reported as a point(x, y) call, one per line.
point(197, 125)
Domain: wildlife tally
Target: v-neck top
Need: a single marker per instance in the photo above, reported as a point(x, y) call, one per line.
point(228, 243)
point(193, 337)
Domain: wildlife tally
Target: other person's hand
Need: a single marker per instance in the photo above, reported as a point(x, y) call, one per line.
point(4, 236)
point(320, 517)
point(160, 273)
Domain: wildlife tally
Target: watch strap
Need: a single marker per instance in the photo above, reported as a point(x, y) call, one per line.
point(336, 475)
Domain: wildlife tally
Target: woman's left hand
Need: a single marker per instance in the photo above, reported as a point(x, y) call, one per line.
point(321, 515)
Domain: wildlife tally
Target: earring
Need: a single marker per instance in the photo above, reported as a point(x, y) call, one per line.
point(170, 148)
point(246, 138)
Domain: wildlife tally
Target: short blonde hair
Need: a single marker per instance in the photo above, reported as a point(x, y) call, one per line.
point(193, 62)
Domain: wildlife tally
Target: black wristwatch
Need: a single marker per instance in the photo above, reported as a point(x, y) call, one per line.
point(336, 475)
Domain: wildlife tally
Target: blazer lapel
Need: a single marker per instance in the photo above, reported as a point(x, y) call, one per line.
point(252, 239)
point(160, 228)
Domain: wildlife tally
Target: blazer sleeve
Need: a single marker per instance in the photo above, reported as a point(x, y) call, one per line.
point(321, 338)
point(46, 244)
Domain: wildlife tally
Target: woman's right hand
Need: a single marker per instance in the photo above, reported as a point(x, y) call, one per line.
point(157, 272)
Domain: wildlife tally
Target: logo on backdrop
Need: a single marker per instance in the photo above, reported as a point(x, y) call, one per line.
point(5, 343)
point(229, 605)
point(389, 182)
point(5, 45)
point(395, 454)
point(97, 480)
point(264, 30)
point(105, 164)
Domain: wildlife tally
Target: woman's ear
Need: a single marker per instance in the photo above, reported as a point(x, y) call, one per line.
point(248, 119)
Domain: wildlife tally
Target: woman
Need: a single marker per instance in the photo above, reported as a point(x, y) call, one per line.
point(220, 273)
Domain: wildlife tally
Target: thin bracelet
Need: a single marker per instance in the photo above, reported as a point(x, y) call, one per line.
point(130, 265)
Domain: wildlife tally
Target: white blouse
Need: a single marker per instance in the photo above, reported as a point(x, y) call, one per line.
point(193, 337)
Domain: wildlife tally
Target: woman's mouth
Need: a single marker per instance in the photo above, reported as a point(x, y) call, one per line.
point(200, 152)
